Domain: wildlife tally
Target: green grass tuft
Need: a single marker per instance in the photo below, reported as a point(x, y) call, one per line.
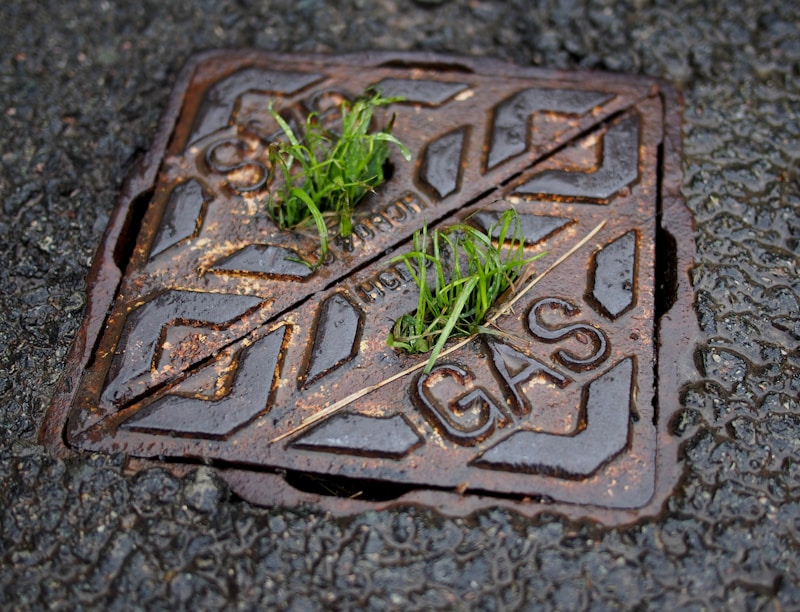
point(327, 174)
point(455, 302)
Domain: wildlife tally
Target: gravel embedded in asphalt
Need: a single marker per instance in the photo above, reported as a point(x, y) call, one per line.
point(82, 87)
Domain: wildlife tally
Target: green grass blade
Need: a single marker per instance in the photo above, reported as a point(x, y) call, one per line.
point(287, 129)
point(335, 171)
point(468, 274)
point(319, 221)
point(390, 138)
point(451, 322)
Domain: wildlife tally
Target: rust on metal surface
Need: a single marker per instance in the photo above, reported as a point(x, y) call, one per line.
point(208, 338)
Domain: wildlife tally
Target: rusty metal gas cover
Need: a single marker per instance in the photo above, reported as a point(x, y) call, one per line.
point(207, 338)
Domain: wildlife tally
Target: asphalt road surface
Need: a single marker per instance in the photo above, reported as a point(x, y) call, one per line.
point(82, 86)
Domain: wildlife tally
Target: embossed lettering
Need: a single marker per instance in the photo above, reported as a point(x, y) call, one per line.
point(393, 277)
point(516, 368)
point(370, 290)
point(466, 418)
point(583, 332)
point(402, 272)
point(396, 212)
point(233, 157)
point(389, 280)
point(413, 202)
point(363, 232)
point(381, 223)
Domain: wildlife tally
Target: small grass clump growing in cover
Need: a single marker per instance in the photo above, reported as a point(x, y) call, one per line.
point(456, 302)
point(326, 174)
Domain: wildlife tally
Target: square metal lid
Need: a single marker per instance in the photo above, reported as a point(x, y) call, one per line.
point(206, 340)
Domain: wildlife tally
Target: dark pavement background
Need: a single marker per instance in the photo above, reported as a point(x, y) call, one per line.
point(82, 85)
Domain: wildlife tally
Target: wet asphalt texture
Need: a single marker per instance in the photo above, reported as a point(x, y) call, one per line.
point(82, 86)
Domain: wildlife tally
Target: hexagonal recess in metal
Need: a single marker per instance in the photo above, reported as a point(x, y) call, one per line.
point(206, 339)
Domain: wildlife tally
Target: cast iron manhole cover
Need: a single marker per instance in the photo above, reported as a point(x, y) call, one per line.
point(206, 340)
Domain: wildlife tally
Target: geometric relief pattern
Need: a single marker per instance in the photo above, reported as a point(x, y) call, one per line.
point(183, 216)
point(220, 100)
point(258, 365)
point(146, 328)
point(603, 434)
point(264, 260)
point(619, 167)
point(417, 91)
point(613, 275)
point(510, 127)
point(532, 228)
point(336, 337)
point(392, 437)
point(441, 165)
